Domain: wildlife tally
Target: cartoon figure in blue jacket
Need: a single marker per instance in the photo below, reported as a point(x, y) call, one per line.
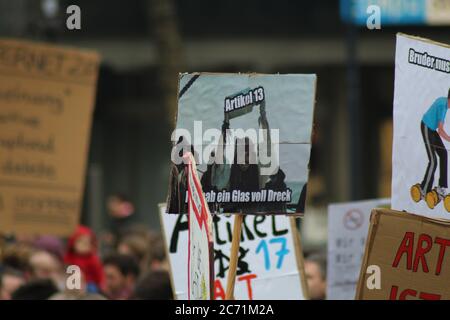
point(432, 128)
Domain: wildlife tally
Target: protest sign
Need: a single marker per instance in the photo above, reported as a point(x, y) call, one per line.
point(266, 266)
point(251, 138)
point(420, 146)
point(405, 258)
point(348, 224)
point(47, 97)
point(200, 254)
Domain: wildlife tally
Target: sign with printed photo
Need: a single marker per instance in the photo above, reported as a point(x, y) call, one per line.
point(250, 135)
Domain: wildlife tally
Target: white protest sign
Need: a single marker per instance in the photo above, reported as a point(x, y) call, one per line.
point(421, 127)
point(267, 264)
point(348, 224)
point(200, 274)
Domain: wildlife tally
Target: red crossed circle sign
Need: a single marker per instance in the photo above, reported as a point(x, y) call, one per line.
point(353, 219)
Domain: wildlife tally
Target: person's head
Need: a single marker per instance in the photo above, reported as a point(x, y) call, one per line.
point(119, 206)
point(121, 272)
point(157, 259)
point(17, 256)
point(155, 285)
point(82, 242)
point(45, 265)
point(50, 244)
point(315, 269)
point(41, 289)
point(136, 246)
point(10, 281)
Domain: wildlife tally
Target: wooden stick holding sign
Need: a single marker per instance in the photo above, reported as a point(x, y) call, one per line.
point(299, 256)
point(234, 256)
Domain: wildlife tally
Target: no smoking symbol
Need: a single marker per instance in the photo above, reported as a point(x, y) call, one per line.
point(353, 219)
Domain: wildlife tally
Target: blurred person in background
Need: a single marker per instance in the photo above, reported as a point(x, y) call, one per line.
point(316, 270)
point(157, 259)
point(51, 244)
point(121, 273)
point(155, 285)
point(147, 248)
point(10, 281)
point(17, 256)
point(70, 292)
point(137, 230)
point(136, 246)
point(82, 252)
point(44, 265)
point(122, 213)
point(40, 289)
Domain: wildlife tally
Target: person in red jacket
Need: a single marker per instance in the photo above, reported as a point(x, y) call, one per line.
point(82, 251)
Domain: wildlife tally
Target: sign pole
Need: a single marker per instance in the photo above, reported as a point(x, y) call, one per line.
point(234, 256)
point(299, 256)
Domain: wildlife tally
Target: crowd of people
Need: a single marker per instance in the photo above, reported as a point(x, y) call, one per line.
point(127, 262)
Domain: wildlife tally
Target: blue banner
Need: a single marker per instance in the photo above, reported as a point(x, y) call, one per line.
point(393, 12)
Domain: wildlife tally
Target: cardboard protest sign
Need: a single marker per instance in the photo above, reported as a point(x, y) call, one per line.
point(421, 127)
point(405, 258)
point(47, 97)
point(251, 138)
point(200, 255)
point(348, 224)
point(267, 263)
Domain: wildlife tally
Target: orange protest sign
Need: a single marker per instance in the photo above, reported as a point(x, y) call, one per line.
point(47, 97)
